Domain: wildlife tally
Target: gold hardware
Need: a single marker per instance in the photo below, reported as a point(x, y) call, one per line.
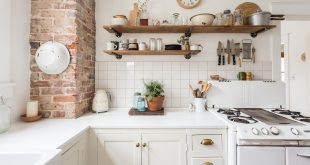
point(208, 163)
point(207, 142)
point(144, 145)
point(138, 145)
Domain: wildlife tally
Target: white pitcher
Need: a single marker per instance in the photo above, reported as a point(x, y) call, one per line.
point(200, 104)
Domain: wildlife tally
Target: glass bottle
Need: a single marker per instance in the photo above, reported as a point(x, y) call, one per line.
point(152, 44)
point(228, 17)
point(137, 95)
point(159, 44)
point(141, 104)
point(5, 116)
point(175, 19)
point(238, 18)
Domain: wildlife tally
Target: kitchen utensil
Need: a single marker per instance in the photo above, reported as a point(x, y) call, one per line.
point(173, 47)
point(223, 55)
point(111, 46)
point(204, 86)
point(101, 101)
point(238, 52)
point(119, 20)
point(199, 104)
point(248, 8)
point(253, 54)
point(219, 52)
point(193, 91)
point(247, 47)
point(259, 18)
point(52, 57)
point(196, 47)
point(5, 116)
point(202, 19)
point(228, 50)
point(233, 51)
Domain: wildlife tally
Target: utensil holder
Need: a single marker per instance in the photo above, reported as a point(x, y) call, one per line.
point(199, 104)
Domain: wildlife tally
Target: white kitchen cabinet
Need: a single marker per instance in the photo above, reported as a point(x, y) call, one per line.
point(119, 149)
point(164, 149)
point(75, 153)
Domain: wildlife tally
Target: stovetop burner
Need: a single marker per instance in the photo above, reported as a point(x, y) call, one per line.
point(286, 112)
point(301, 118)
point(242, 119)
point(229, 112)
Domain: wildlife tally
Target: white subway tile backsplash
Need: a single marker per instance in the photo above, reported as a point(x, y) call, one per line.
point(123, 79)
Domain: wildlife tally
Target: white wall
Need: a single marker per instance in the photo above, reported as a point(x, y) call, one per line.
point(14, 32)
point(298, 32)
point(124, 77)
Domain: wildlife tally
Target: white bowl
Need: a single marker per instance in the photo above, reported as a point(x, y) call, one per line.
point(119, 21)
point(202, 19)
point(52, 57)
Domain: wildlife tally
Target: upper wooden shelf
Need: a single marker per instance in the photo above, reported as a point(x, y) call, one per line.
point(187, 29)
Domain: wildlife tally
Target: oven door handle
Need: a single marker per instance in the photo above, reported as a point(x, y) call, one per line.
point(305, 155)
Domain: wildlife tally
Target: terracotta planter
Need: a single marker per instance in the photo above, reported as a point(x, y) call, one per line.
point(156, 104)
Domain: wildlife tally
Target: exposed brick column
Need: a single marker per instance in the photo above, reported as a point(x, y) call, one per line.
point(71, 22)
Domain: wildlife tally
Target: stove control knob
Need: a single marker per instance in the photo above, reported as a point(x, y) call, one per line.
point(265, 131)
point(255, 131)
point(274, 130)
point(294, 131)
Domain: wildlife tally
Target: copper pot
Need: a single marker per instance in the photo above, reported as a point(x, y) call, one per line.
point(156, 104)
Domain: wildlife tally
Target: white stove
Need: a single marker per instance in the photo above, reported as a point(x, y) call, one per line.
point(263, 135)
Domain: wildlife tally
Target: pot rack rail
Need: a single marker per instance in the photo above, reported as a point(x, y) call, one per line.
point(188, 30)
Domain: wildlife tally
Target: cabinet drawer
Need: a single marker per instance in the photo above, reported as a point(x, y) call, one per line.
point(207, 145)
point(207, 161)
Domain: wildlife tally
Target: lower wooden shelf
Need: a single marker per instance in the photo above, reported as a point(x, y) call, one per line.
point(119, 53)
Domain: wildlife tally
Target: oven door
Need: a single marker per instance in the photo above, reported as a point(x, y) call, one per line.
point(298, 155)
point(260, 155)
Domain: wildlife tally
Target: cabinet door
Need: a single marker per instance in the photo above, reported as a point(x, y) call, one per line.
point(164, 149)
point(298, 155)
point(119, 149)
point(71, 156)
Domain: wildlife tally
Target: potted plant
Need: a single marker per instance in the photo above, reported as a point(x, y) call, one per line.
point(154, 95)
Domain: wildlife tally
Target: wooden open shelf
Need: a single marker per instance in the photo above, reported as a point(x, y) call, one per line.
point(188, 29)
point(185, 53)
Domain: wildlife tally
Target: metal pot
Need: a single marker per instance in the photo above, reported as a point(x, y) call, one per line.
point(202, 19)
point(259, 18)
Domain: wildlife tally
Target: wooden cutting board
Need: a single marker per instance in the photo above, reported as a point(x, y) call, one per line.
point(133, 112)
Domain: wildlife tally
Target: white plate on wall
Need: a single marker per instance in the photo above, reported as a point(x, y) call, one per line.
point(52, 57)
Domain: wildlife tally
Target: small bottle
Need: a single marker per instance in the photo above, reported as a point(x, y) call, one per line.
point(159, 44)
point(5, 116)
point(141, 104)
point(187, 46)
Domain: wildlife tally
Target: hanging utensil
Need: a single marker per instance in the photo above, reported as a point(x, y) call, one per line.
point(228, 51)
point(219, 52)
point(233, 51)
point(238, 52)
point(193, 91)
point(247, 54)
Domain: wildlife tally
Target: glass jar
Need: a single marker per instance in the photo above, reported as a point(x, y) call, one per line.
point(159, 44)
point(144, 18)
point(136, 96)
point(238, 18)
point(228, 17)
point(141, 104)
point(219, 20)
point(5, 116)
point(152, 44)
point(175, 19)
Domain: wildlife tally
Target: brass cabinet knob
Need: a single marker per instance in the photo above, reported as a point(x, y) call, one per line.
point(207, 163)
point(138, 145)
point(207, 142)
point(144, 145)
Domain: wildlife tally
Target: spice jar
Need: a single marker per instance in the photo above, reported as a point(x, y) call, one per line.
point(5, 116)
point(228, 17)
point(175, 19)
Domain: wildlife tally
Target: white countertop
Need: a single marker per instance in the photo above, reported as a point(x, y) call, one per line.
point(54, 133)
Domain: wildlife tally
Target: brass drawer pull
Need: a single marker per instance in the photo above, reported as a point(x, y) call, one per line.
point(208, 163)
point(207, 142)
point(138, 145)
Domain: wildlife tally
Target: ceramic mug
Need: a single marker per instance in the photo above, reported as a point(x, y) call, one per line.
point(111, 46)
point(142, 46)
point(196, 47)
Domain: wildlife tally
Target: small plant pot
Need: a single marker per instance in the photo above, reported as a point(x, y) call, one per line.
point(156, 104)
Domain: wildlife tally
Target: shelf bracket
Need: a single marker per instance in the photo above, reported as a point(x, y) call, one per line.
point(117, 56)
point(117, 33)
point(188, 56)
point(253, 35)
point(189, 32)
